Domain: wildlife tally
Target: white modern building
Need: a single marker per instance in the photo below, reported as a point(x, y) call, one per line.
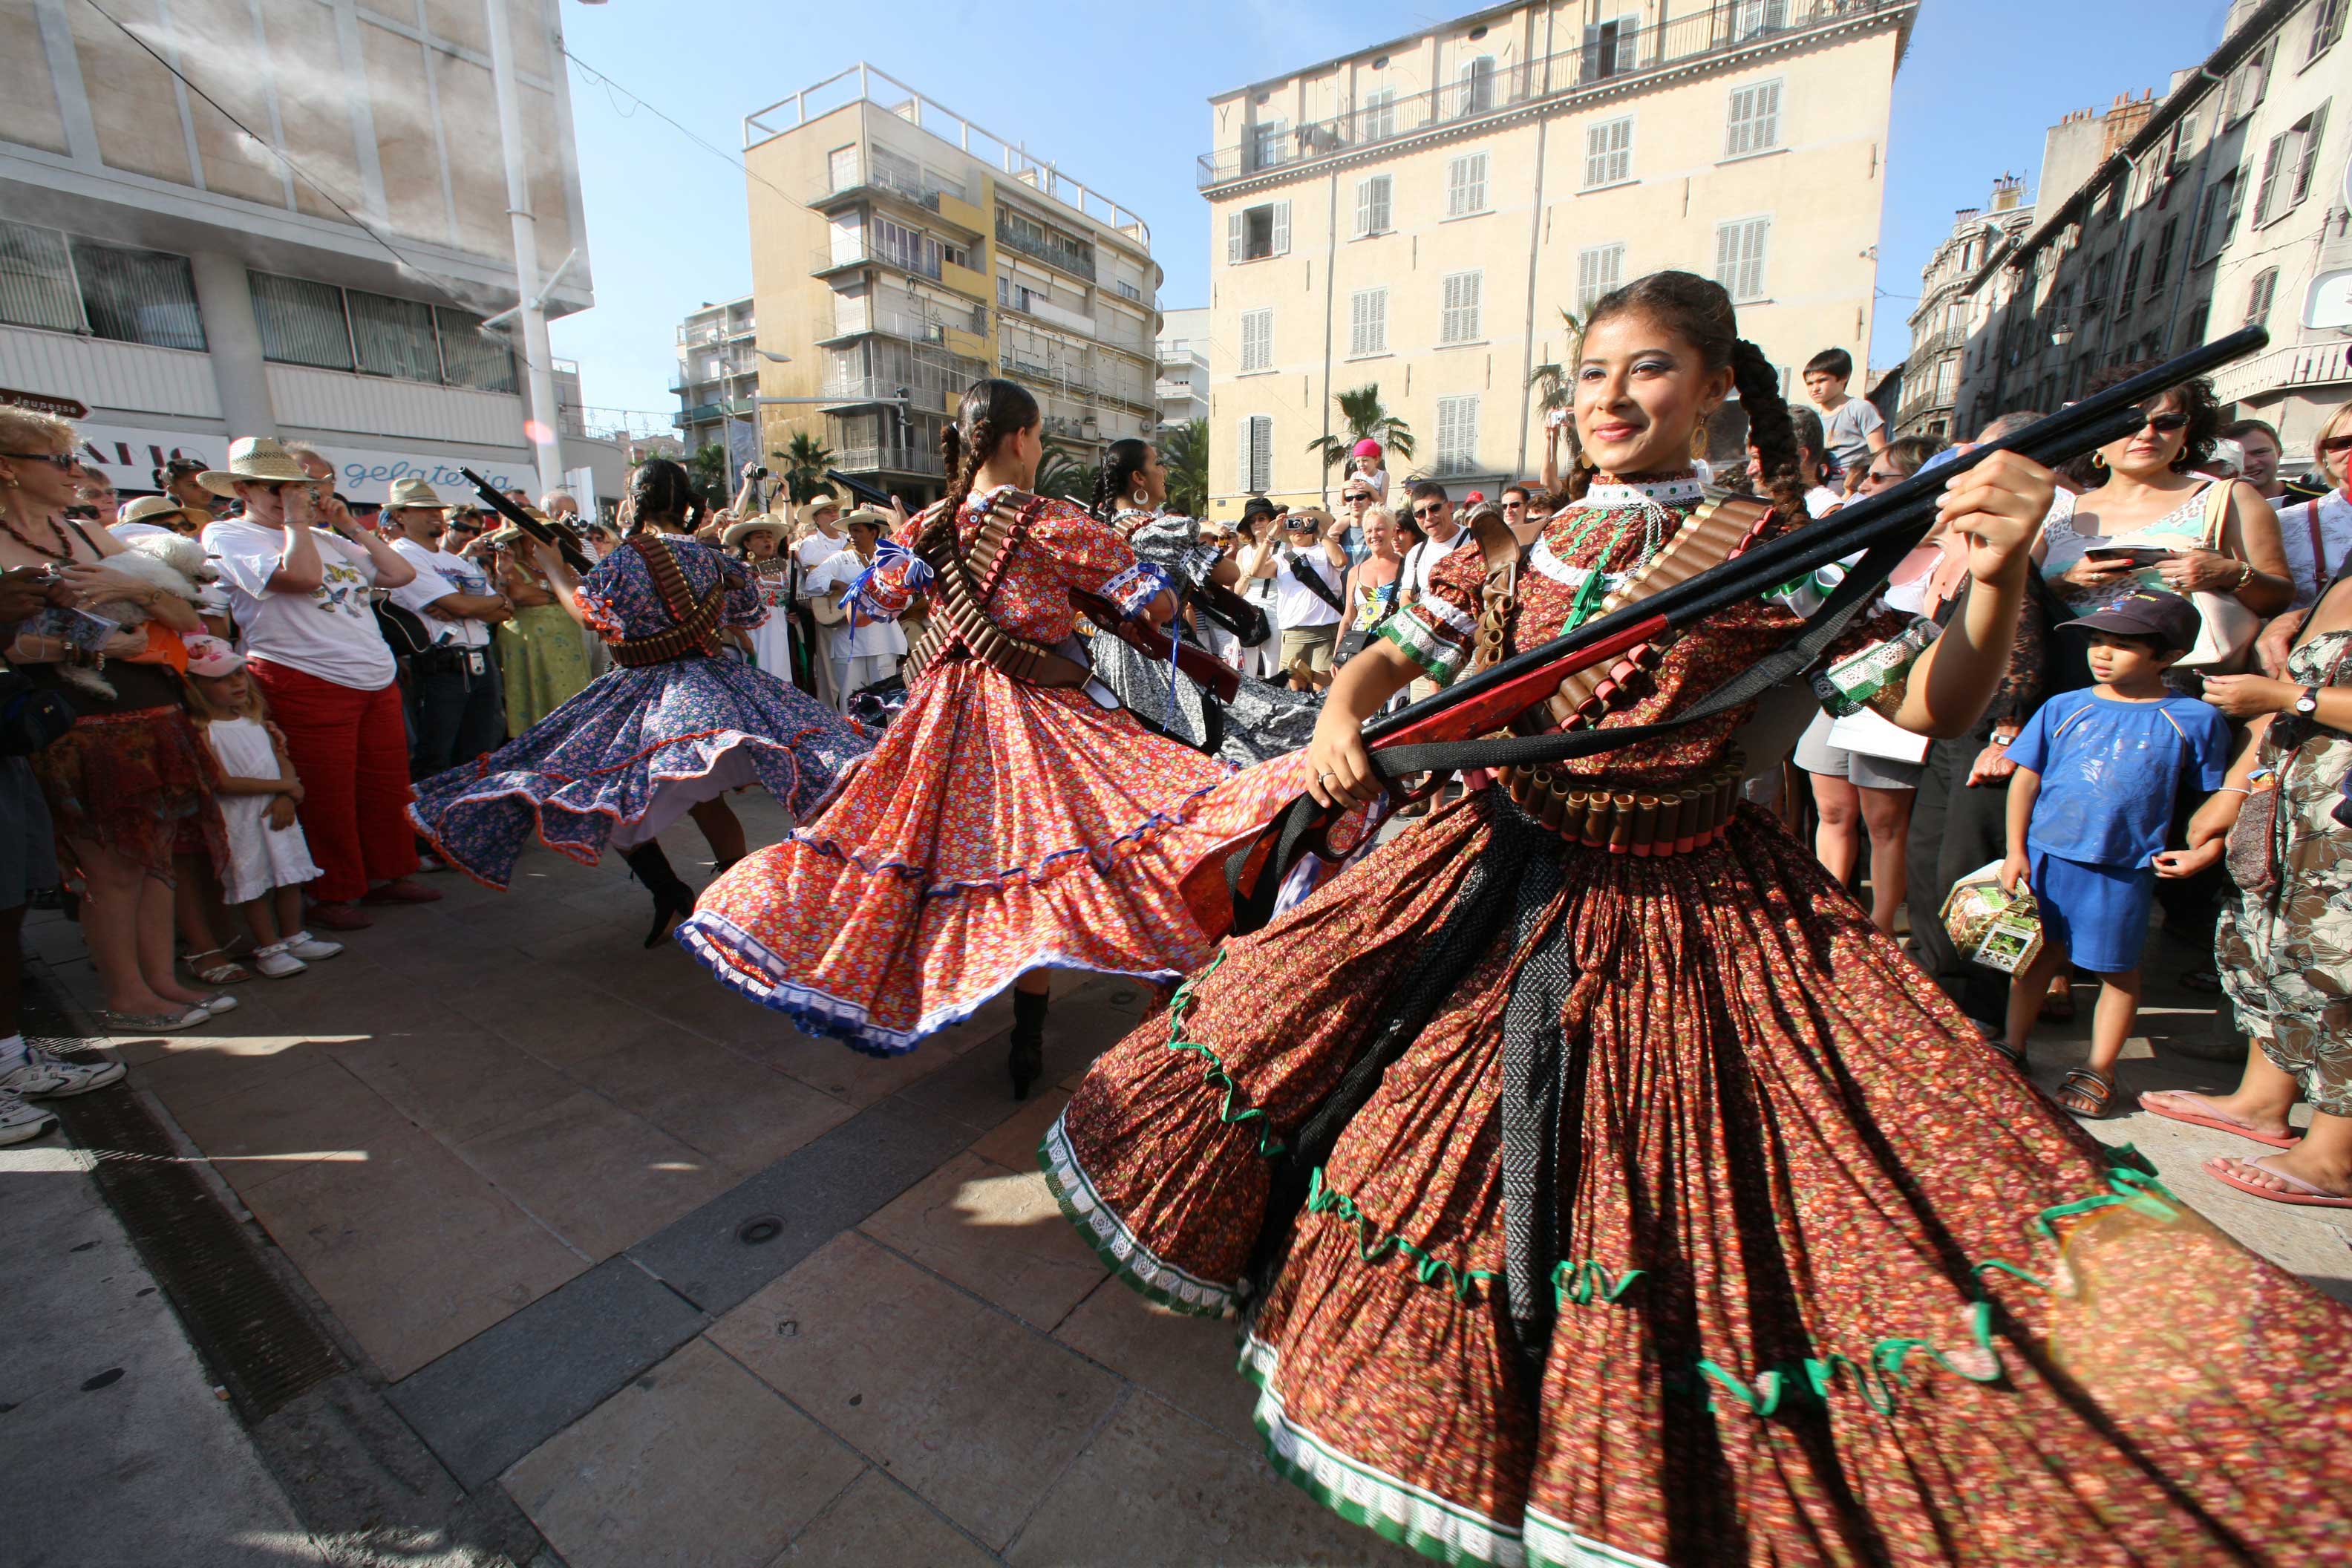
point(297, 231)
point(1184, 384)
point(717, 381)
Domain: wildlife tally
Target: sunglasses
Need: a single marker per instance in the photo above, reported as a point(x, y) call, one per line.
point(1515, 506)
point(2166, 423)
point(64, 462)
point(1431, 509)
point(2337, 444)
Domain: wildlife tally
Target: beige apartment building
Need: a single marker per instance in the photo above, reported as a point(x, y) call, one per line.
point(1419, 214)
point(901, 252)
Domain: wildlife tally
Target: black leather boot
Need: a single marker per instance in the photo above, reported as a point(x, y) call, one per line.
point(1026, 1058)
point(673, 900)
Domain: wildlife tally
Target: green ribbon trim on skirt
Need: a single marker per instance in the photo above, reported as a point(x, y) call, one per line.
point(1269, 1145)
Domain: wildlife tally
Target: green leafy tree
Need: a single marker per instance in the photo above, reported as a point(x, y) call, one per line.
point(1062, 474)
point(1362, 414)
point(1555, 391)
point(706, 466)
point(1185, 449)
point(805, 460)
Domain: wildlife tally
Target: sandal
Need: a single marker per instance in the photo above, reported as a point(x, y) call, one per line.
point(2006, 1052)
point(2087, 1093)
point(2303, 1193)
point(228, 971)
point(2154, 1103)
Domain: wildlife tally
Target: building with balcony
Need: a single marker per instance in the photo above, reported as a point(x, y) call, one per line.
point(1940, 326)
point(1418, 214)
point(2217, 206)
point(901, 252)
point(1184, 384)
point(717, 380)
point(322, 279)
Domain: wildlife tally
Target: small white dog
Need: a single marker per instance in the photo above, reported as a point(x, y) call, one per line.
point(178, 566)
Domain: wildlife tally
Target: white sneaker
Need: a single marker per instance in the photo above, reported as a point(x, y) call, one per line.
point(43, 1077)
point(20, 1121)
point(276, 962)
point(302, 944)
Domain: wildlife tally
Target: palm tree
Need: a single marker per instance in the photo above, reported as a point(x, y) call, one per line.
point(805, 459)
point(1185, 449)
point(1062, 474)
point(706, 466)
point(1364, 417)
point(1557, 392)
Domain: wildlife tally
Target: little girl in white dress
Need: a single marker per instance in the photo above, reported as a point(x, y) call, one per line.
point(269, 860)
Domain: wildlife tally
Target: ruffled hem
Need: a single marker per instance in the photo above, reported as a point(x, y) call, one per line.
point(1131, 1262)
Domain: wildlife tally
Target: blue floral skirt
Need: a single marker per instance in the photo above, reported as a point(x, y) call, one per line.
point(627, 756)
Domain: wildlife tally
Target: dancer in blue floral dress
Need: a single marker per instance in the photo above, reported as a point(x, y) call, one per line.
point(666, 732)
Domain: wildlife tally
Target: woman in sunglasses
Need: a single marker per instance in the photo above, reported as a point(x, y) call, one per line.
point(2154, 521)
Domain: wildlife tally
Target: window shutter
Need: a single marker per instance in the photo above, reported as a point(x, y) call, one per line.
point(2271, 161)
point(1242, 447)
point(1727, 256)
point(1381, 188)
point(1236, 226)
point(1281, 228)
point(2311, 141)
point(1363, 207)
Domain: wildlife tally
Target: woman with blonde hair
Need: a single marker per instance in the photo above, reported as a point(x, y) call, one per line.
point(2315, 532)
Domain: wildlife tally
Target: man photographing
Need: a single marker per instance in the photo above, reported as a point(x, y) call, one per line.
point(1309, 569)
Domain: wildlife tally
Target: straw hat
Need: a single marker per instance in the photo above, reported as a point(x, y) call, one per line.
point(773, 522)
point(413, 492)
point(873, 516)
point(256, 460)
point(152, 509)
point(805, 514)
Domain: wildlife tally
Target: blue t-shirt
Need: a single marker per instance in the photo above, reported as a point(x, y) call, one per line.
point(2111, 771)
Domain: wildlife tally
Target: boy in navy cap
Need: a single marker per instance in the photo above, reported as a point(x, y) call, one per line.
point(2097, 773)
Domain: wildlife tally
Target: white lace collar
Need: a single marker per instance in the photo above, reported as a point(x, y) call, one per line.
point(1683, 489)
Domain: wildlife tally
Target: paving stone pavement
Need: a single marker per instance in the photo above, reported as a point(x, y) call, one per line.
point(691, 1288)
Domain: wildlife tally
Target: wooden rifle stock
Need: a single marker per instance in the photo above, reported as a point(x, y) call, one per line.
point(573, 556)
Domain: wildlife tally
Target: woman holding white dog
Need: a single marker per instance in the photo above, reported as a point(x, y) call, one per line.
point(129, 785)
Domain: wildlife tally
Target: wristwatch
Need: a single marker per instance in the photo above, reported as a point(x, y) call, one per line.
point(2308, 703)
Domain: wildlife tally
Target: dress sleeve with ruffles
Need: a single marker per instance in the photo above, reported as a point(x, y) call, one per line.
point(1096, 557)
point(1436, 630)
point(743, 608)
point(1171, 542)
point(609, 585)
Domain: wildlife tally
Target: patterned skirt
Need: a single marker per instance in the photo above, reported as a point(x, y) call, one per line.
point(996, 828)
point(1688, 1223)
point(139, 783)
point(636, 738)
point(1260, 723)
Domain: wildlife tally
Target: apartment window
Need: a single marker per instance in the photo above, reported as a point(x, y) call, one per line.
point(1372, 204)
point(1257, 454)
point(909, 249)
point(1256, 233)
point(2212, 226)
point(842, 163)
point(301, 322)
point(1598, 270)
point(1608, 152)
point(394, 337)
point(1947, 373)
point(1257, 339)
point(1271, 145)
point(36, 278)
point(2327, 27)
point(2258, 296)
point(1129, 291)
point(1753, 124)
point(1612, 48)
point(1466, 185)
point(1011, 296)
point(1367, 322)
point(1740, 249)
point(2312, 128)
point(2164, 238)
point(1460, 322)
point(2131, 279)
point(1477, 93)
point(2250, 83)
point(470, 356)
point(1380, 121)
point(1751, 18)
point(137, 296)
point(1458, 435)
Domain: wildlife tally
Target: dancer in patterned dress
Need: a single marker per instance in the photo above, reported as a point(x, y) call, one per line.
point(1261, 721)
point(1007, 824)
point(665, 733)
point(1642, 1209)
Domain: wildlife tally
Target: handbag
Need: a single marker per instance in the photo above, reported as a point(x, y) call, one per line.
point(1245, 621)
point(2247, 850)
point(2226, 629)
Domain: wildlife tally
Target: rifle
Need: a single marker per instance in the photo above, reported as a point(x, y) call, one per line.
point(1885, 526)
point(573, 556)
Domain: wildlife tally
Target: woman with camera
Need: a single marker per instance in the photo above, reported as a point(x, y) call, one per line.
point(129, 786)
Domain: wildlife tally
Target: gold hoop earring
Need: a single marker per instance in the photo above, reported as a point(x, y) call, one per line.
point(2098, 459)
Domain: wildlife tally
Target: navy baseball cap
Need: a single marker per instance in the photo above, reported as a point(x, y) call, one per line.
point(2144, 613)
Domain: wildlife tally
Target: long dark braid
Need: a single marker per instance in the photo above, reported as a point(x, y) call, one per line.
point(659, 489)
point(992, 409)
point(1121, 460)
point(1698, 311)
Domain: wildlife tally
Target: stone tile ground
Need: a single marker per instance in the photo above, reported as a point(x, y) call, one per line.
point(449, 1128)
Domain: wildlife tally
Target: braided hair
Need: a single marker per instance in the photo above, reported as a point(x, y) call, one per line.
point(993, 408)
point(1121, 462)
point(660, 492)
point(1698, 311)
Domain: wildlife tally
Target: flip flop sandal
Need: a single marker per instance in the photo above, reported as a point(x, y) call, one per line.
point(2006, 1051)
point(2219, 1122)
point(2098, 1091)
point(228, 971)
point(2304, 1195)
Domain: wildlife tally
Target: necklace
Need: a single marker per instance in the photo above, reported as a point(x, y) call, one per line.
point(64, 552)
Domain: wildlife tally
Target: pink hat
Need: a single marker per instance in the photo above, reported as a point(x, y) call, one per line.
point(1473, 498)
point(1367, 447)
point(210, 657)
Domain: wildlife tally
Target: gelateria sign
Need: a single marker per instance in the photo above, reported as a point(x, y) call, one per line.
point(129, 455)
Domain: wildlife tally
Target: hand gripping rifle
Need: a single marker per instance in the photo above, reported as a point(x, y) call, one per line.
point(573, 556)
point(1199, 663)
point(1436, 732)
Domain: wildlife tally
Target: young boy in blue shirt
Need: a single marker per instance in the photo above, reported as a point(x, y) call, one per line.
point(2097, 773)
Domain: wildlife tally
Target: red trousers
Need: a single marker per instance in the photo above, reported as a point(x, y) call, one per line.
point(351, 751)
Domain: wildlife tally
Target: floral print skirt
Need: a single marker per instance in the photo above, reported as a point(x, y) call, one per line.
point(139, 783)
point(997, 827)
point(605, 757)
point(1828, 1283)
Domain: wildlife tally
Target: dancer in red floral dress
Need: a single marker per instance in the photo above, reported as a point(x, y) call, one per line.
point(1641, 1209)
point(1001, 828)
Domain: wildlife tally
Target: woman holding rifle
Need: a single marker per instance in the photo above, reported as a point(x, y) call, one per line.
point(665, 733)
point(1604, 1188)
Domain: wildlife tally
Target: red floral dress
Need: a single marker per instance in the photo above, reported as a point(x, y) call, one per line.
point(998, 827)
point(1798, 1272)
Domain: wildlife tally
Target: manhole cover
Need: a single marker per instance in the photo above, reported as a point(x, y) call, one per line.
point(759, 1230)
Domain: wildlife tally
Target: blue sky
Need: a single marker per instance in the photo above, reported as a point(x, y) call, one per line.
point(1123, 106)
